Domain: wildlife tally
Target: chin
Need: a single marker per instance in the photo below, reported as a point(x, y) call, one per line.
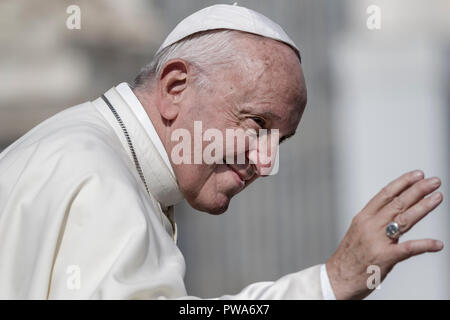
point(216, 207)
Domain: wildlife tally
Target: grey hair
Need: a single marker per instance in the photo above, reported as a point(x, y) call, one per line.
point(203, 51)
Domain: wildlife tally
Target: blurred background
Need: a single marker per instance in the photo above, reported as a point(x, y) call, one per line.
point(378, 106)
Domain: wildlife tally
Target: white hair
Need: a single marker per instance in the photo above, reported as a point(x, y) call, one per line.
point(204, 51)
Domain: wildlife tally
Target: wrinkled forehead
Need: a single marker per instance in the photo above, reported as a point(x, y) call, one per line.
point(269, 70)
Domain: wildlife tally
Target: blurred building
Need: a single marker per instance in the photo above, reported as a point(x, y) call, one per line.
point(378, 105)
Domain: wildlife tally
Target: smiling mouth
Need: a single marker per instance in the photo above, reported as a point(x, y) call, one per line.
point(239, 179)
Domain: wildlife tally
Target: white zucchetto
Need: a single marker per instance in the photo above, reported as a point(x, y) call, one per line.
point(232, 17)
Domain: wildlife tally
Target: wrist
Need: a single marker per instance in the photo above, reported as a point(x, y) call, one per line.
point(343, 286)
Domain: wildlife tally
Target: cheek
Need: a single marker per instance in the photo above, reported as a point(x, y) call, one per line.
point(193, 178)
point(212, 196)
point(238, 140)
point(219, 181)
point(235, 141)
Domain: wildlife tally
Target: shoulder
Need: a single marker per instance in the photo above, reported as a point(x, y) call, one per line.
point(77, 139)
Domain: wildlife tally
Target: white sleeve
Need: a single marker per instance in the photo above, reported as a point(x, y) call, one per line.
point(327, 290)
point(302, 285)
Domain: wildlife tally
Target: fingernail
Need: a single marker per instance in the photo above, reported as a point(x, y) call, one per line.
point(418, 173)
point(439, 244)
point(435, 181)
point(436, 197)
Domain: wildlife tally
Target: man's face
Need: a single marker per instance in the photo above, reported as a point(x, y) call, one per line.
point(265, 90)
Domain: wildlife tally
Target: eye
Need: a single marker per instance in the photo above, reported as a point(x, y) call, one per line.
point(259, 121)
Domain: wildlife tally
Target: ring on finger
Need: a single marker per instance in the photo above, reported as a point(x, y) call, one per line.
point(393, 230)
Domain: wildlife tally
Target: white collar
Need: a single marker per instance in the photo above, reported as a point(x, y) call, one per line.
point(139, 111)
point(157, 172)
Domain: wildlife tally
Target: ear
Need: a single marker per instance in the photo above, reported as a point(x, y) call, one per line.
point(172, 86)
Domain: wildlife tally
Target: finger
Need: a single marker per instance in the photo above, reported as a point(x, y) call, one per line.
point(393, 189)
point(414, 214)
point(410, 197)
point(408, 249)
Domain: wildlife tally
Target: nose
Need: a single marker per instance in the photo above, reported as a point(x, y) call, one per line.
point(260, 168)
point(262, 156)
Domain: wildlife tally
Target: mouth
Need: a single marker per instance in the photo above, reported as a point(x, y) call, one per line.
point(239, 179)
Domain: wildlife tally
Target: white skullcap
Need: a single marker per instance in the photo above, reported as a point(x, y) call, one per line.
point(224, 16)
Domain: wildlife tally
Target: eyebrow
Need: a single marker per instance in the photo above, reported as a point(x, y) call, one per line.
point(269, 114)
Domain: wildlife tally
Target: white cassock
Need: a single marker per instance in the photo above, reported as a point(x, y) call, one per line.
point(77, 220)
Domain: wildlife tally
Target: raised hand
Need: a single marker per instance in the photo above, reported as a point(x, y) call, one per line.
point(366, 243)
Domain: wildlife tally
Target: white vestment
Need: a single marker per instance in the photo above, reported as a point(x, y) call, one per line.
point(77, 222)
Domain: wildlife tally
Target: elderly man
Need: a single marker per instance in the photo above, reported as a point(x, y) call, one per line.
point(86, 197)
